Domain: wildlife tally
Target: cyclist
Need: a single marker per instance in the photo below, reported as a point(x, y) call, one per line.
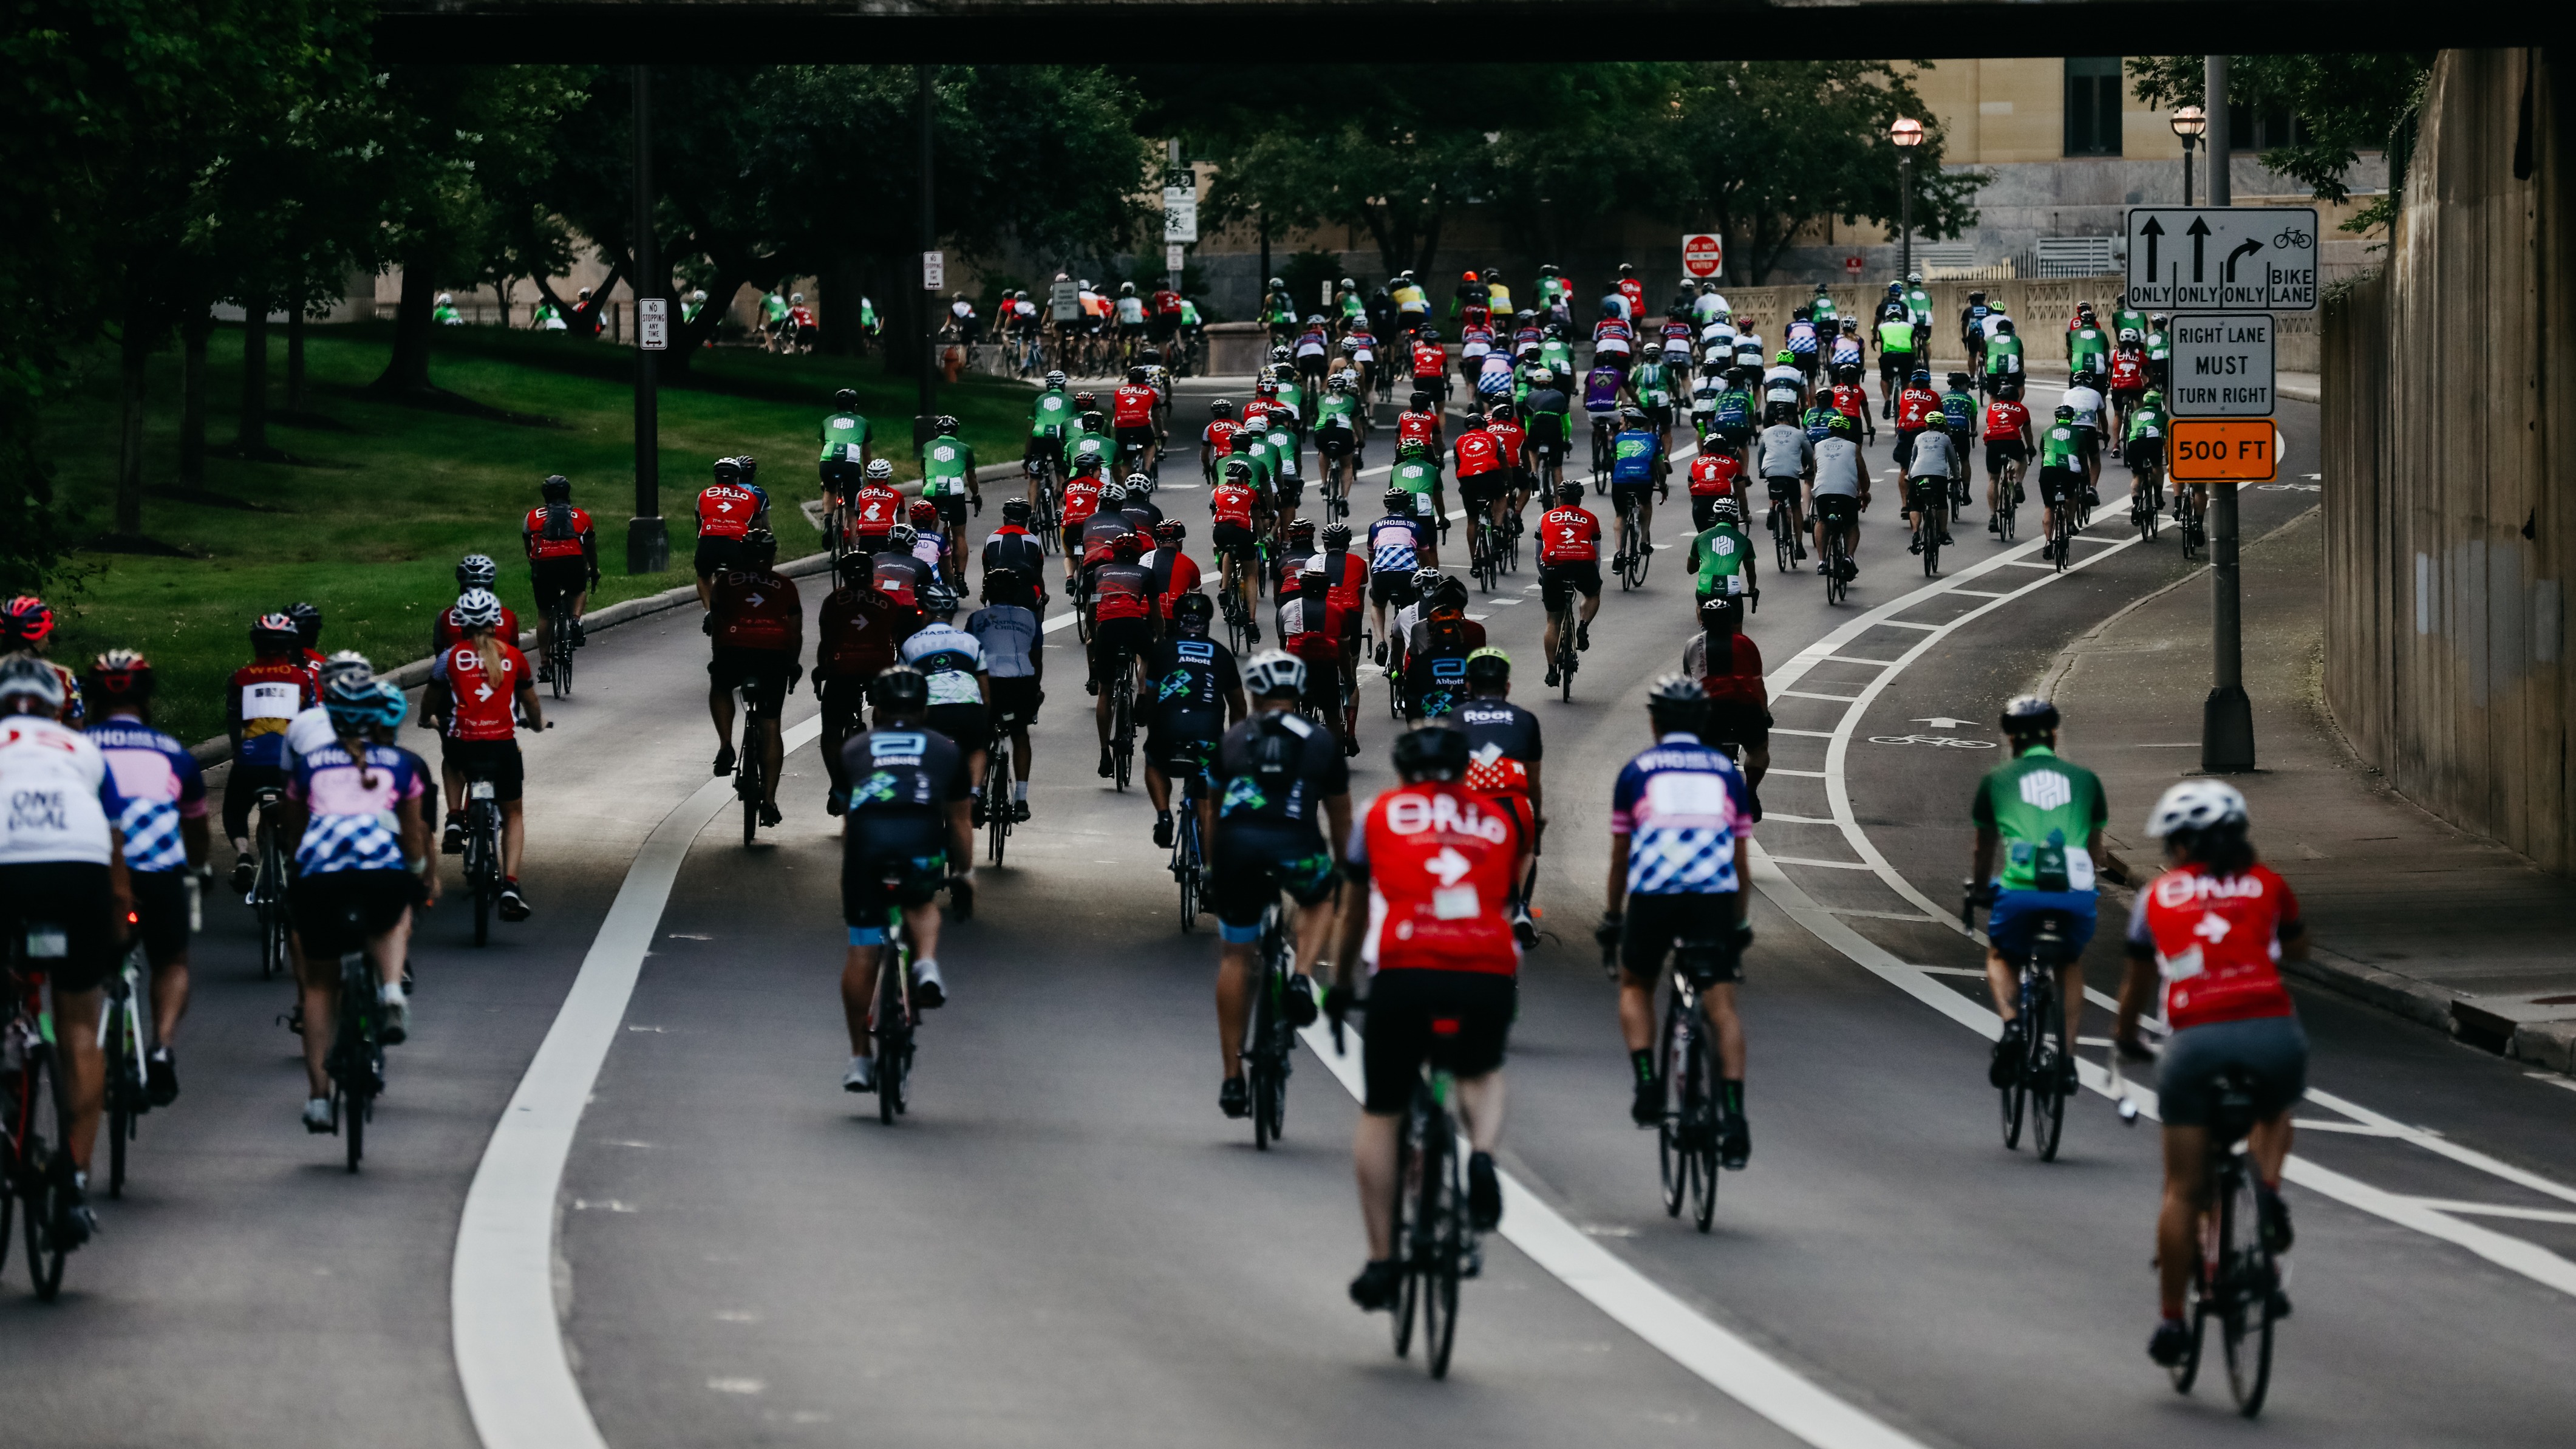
point(1721, 556)
point(1800, 340)
point(1710, 305)
point(1130, 312)
point(1681, 825)
point(1605, 394)
point(875, 508)
point(476, 698)
point(1928, 471)
point(162, 831)
point(355, 881)
point(1442, 869)
point(1235, 507)
point(1081, 503)
point(62, 864)
point(1122, 625)
point(1847, 397)
point(27, 627)
point(1090, 443)
point(1312, 623)
point(2087, 345)
point(2159, 344)
point(961, 686)
point(1051, 419)
point(1915, 403)
point(1837, 493)
point(1015, 667)
point(905, 828)
point(726, 511)
point(1498, 729)
point(948, 484)
point(2143, 445)
point(1846, 350)
point(1193, 693)
point(563, 563)
point(1651, 384)
point(2003, 354)
point(2084, 394)
point(308, 633)
point(2061, 463)
point(1636, 466)
point(1132, 414)
point(1783, 383)
point(1728, 666)
point(1484, 478)
point(758, 625)
point(1395, 549)
point(1959, 405)
point(2008, 440)
point(1216, 441)
point(1569, 562)
point(1972, 325)
point(260, 700)
point(1787, 460)
point(860, 634)
point(2128, 379)
point(1716, 473)
point(1276, 782)
point(1416, 474)
point(1918, 303)
point(2043, 816)
point(1012, 546)
point(845, 427)
point(474, 571)
point(2215, 925)
point(1827, 314)
point(1895, 323)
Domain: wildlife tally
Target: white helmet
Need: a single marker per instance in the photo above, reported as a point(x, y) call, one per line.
point(1138, 483)
point(478, 609)
point(2196, 805)
point(447, 299)
point(1275, 671)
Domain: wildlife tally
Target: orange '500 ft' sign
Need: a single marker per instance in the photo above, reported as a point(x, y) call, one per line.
point(2223, 450)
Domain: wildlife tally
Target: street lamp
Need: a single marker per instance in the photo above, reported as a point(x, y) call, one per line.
point(1907, 133)
point(2188, 123)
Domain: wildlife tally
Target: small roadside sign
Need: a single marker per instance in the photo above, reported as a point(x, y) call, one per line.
point(1851, 266)
point(2222, 365)
point(2223, 257)
point(2219, 450)
point(1064, 300)
point(653, 324)
point(1180, 213)
point(1172, 259)
point(934, 271)
point(1703, 253)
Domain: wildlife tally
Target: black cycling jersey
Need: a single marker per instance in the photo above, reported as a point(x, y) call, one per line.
point(1190, 674)
point(1502, 724)
point(1276, 769)
point(902, 775)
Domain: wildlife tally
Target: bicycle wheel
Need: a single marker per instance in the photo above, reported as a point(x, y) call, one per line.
point(1672, 1152)
point(2016, 1099)
point(482, 866)
point(1261, 1059)
point(2047, 1048)
point(893, 1029)
point(47, 1168)
point(123, 1099)
point(2248, 1286)
point(1783, 548)
point(1185, 866)
point(2010, 493)
point(2195, 1314)
point(352, 1063)
point(1934, 521)
point(1122, 737)
point(1701, 1125)
point(1837, 587)
point(2060, 530)
point(1444, 1212)
point(1408, 1221)
point(997, 811)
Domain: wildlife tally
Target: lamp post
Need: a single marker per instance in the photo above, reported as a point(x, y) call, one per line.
point(2188, 123)
point(1907, 133)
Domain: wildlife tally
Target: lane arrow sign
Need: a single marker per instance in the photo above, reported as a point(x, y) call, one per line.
point(2154, 232)
point(2244, 249)
point(1943, 722)
point(2199, 234)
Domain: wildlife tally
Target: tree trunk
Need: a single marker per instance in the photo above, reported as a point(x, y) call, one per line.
point(906, 351)
point(688, 339)
point(251, 441)
point(295, 360)
point(838, 284)
point(135, 357)
point(407, 371)
point(192, 397)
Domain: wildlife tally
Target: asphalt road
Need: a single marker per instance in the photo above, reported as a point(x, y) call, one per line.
point(1067, 1243)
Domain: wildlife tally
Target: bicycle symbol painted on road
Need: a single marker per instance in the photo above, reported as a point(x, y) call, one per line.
point(1936, 741)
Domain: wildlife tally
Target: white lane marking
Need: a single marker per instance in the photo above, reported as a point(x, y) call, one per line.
point(1723, 1359)
point(1794, 819)
point(1801, 774)
point(2497, 1210)
point(1852, 659)
point(1820, 864)
point(1811, 694)
point(509, 1346)
point(1804, 734)
point(2553, 1079)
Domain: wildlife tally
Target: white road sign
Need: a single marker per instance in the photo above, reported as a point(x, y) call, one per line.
point(1180, 214)
point(1172, 258)
point(2222, 365)
point(1703, 253)
point(2223, 256)
point(934, 271)
point(1064, 301)
point(653, 324)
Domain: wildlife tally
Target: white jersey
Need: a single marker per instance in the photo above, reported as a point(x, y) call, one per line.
point(54, 794)
point(310, 730)
point(1709, 306)
point(950, 685)
point(2087, 404)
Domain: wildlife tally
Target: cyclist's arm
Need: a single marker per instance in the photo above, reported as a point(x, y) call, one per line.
point(961, 838)
point(2109, 866)
point(1538, 799)
point(528, 708)
point(1981, 861)
point(233, 718)
point(434, 702)
point(1619, 874)
point(590, 553)
point(1353, 925)
point(2137, 988)
point(1235, 706)
point(1337, 823)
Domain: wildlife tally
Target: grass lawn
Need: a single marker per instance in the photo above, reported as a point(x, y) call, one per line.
point(384, 498)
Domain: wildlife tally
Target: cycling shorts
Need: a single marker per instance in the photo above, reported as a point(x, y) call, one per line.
point(760, 673)
point(1042, 449)
point(889, 861)
point(1334, 442)
point(716, 554)
point(1140, 438)
point(2058, 483)
point(1015, 702)
point(73, 895)
point(1783, 489)
point(558, 578)
point(1112, 639)
point(1838, 508)
point(1700, 924)
point(495, 760)
point(1903, 452)
point(968, 726)
point(1558, 583)
point(241, 792)
point(2272, 1051)
point(1171, 733)
point(2009, 450)
point(845, 702)
point(337, 912)
point(2015, 915)
point(1738, 721)
point(1288, 490)
point(952, 511)
point(1460, 1020)
point(1393, 588)
point(1231, 538)
point(1483, 487)
point(1254, 863)
point(161, 911)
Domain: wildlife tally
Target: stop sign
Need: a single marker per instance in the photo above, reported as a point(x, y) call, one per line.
point(1852, 265)
point(1703, 254)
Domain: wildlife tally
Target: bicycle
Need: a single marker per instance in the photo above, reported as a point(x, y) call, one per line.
point(1270, 1040)
point(1567, 654)
point(1435, 1244)
point(2146, 502)
point(747, 781)
point(356, 1064)
point(1687, 1138)
point(482, 853)
point(2061, 531)
point(2044, 1077)
point(1600, 456)
point(35, 1170)
point(1931, 508)
point(1189, 851)
point(2008, 490)
point(562, 633)
point(1636, 551)
point(1784, 537)
point(894, 1020)
point(2235, 1279)
point(996, 801)
point(2195, 535)
point(1122, 716)
point(1838, 563)
point(123, 1044)
point(267, 898)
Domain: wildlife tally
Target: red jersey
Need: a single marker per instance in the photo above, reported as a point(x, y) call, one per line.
point(1611, 335)
point(1478, 453)
point(1913, 405)
point(1232, 503)
point(727, 510)
point(1167, 303)
point(1081, 498)
point(1219, 436)
point(1848, 400)
point(801, 316)
point(1568, 535)
point(1476, 315)
point(1100, 535)
point(1350, 584)
point(266, 694)
point(1511, 436)
point(2004, 420)
point(1175, 573)
point(482, 705)
point(1133, 406)
point(1737, 676)
point(1312, 634)
point(2128, 371)
point(2218, 943)
point(875, 510)
point(1442, 862)
point(540, 546)
point(1634, 292)
point(756, 611)
point(862, 629)
point(1121, 591)
point(1428, 359)
point(444, 632)
point(895, 574)
point(1418, 427)
point(1713, 475)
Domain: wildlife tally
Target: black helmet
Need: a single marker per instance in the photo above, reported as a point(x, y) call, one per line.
point(308, 622)
point(1222, 408)
point(901, 688)
point(555, 488)
point(2029, 714)
point(1397, 501)
point(1568, 494)
point(760, 545)
point(1335, 537)
point(1433, 751)
point(1136, 376)
point(944, 425)
point(846, 400)
point(1015, 510)
point(1193, 609)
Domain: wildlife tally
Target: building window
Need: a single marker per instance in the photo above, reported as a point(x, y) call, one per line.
point(2261, 126)
point(2093, 105)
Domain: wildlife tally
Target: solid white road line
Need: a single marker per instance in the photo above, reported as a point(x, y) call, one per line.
point(1725, 1360)
point(508, 1338)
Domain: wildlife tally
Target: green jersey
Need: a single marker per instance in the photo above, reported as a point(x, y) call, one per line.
point(2126, 320)
point(842, 428)
point(1354, 310)
point(1918, 303)
point(1827, 317)
point(1653, 387)
point(1718, 558)
point(1414, 475)
point(2086, 344)
point(1896, 334)
point(946, 464)
point(1294, 396)
point(2147, 422)
point(1283, 450)
point(2060, 446)
point(1557, 355)
point(2003, 353)
point(773, 308)
point(1053, 417)
point(2045, 810)
point(1078, 446)
point(1338, 404)
point(868, 313)
point(445, 312)
point(1189, 313)
point(690, 308)
point(1254, 448)
point(1549, 289)
point(2159, 346)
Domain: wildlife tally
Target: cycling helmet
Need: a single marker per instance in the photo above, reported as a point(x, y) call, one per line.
point(1426, 579)
point(2004, 325)
point(880, 471)
point(478, 609)
point(1632, 417)
point(846, 400)
point(1430, 334)
point(1555, 332)
point(903, 536)
point(2153, 397)
point(1430, 751)
point(346, 661)
point(1194, 610)
point(1222, 407)
point(1922, 377)
point(1413, 448)
point(1610, 307)
point(28, 621)
point(355, 704)
point(2065, 412)
point(1676, 697)
point(2083, 309)
point(1316, 320)
point(447, 299)
point(1957, 379)
point(2156, 319)
point(799, 296)
point(1786, 358)
point(1820, 288)
point(1569, 494)
point(308, 622)
point(1727, 509)
point(944, 425)
point(728, 470)
point(924, 514)
point(1171, 530)
point(1276, 282)
point(1351, 345)
point(1301, 528)
point(25, 677)
point(1238, 468)
point(1112, 493)
point(1541, 377)
point(276, 629)
point(1150, 357)
point(1914, 279)
point(1015, 510)
point(477, 571)
point(1274, 672)
point(1127, 546)
point(1054, 380)
point(1087, 402)
point(937, 600)
point(1126, 289)
point(1489, 665)
point(1336, 537)
point(120, 674)
point(1801, 314)
point(1896, 289)
point(1449, 592)
point(1936, 421)
point(1349, 286)
point(1091, 420)
point(1397, 501)
point(2129, 334)
point(1975, 297)
point(1139, 483)
point(1278, 354)
point(1340, 382)
point(2029, 714)
point(555, 489)
point(2196, 805)
point(901, 689)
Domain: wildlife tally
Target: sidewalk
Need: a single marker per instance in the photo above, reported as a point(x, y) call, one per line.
point(2405, 910)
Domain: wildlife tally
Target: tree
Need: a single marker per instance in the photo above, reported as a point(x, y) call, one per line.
point(2345, 104)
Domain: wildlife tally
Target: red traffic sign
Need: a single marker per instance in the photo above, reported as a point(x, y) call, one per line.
point(1852, 265)
point(1703, 254)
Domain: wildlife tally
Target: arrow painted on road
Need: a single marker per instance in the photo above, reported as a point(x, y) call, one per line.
point(2199, 234)
point(2154, 232)
point(1943, 722)
point(2244, 249)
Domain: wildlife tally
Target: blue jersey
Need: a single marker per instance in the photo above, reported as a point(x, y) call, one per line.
point(1392, 543)
point(1682, 806)
point(161, 786)
point(1961, 409)
point(1632, 456)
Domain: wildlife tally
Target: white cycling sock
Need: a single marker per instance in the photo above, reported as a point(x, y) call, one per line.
point(1020, 790)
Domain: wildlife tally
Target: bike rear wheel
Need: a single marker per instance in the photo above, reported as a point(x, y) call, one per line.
point(893, 1031)
point(46, 1167)
point(124, 1090)
point(1444, 1214)
point(2048, 1048)
point(1408, 1225)
point(997, 799)
point(1672, 1152)
point(2016, 1100)
point(2248, 1285)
